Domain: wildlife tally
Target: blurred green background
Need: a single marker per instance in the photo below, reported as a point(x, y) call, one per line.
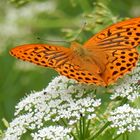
point(23, 21)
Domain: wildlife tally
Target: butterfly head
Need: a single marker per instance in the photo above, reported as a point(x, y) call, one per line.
point(78, 49)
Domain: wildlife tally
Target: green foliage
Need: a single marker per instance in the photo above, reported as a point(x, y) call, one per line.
point(19, 2)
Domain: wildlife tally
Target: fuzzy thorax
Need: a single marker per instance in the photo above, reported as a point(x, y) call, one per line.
point(79, 49)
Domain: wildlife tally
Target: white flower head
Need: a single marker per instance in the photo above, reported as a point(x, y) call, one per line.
point(125, 118)
point(130, 87)
point(62, 102)
point(52, 133)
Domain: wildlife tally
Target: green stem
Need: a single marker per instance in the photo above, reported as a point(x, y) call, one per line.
point(100, 131)
point(77, 131)
point(123, 101)
point(72, 134)
point(66, 125)
point(83, 120)
point(81, 129)
point(123, 137)
point(127, 136)
point(88, 123)
point(117, 137)
point(64, 122)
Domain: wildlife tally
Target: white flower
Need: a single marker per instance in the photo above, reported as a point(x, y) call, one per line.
point(52, 133)
point(62, 101)
point(125, 118)
point(130, 87)
point(18, 127)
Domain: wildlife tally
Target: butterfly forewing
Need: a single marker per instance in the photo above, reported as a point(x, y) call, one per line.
point(42, 54)
point(125, 34)
point(62, 59)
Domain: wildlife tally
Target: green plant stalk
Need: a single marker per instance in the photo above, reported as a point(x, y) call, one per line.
point(77, 131)
point(66, 125)
point(125, 136)
point(72, 134)
point(123, 101)
point(64, 122)
point(81, 128)
point(100, 131)
point(86, 131)
point(117, 137)
point(84, 127)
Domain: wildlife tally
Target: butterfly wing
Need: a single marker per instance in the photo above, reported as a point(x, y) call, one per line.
point(42, 54)
point(64, 60)
point(119, 63)
point(118, 44)
point(82, 75)
point(125, 34)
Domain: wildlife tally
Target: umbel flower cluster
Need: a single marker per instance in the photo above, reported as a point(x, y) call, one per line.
point(125, 118)
point(67, 110)
point(53, 111)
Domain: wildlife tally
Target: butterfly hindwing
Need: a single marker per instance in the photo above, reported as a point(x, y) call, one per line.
point(81, 75)
point(122, 62)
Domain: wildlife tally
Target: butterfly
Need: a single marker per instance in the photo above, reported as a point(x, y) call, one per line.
point(101, 60)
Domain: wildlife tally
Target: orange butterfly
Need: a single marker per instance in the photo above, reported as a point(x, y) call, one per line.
point(101, 60)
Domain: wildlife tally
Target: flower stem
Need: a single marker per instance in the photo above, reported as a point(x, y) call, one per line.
point(84, 127)
point(87, 127)
point(66, 125)
point(72, 134)
point(117, 137)
point(81, 129)
point(77, 131)
point(125, 136)
point(100, 131)
point(64, 122)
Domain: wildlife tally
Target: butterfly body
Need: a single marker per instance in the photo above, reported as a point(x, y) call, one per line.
point(103, 59)
point(80, 49)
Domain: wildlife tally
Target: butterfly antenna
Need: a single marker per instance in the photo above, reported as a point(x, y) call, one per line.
point(83, 27)
point(38, 38)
